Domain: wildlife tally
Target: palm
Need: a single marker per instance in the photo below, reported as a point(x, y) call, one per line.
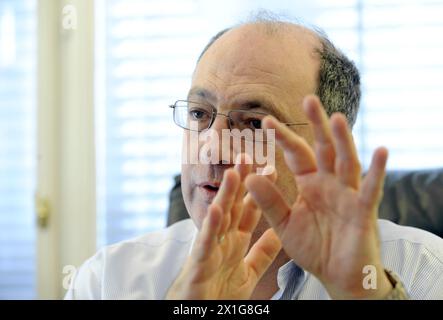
point(224, 274)
point(327, 227)
point(330, 230)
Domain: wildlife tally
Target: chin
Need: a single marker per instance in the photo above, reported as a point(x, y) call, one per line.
point(198, 214)
point(197, 211)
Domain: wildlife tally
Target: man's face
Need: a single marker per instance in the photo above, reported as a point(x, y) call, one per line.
point(249, 68)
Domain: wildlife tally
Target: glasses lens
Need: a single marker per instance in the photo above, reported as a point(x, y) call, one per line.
point(249, 124)
point(191, 115)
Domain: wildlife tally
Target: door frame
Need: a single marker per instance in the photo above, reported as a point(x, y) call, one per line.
point(65, 141)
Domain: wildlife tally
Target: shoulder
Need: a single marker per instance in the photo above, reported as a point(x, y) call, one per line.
point(160, 244)
point(416, 255)
point(394, 233)
point(152, 245)
point(142, 267)
point(180, 233)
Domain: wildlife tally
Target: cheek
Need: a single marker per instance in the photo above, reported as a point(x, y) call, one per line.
point(185, 184)
point(195, 207)
point(186, 176)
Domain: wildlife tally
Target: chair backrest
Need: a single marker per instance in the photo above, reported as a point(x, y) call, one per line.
point(177, 209)
point(412, 198)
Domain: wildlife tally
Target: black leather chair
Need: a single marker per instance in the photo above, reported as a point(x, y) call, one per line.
point(414, 198)
point(411, 198)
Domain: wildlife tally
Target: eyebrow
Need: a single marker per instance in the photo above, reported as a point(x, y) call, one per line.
point(256, 104)
point(262, 103)
point(243, 104)
point(202, 93)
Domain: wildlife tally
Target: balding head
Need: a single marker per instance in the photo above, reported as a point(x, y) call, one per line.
point(263, 54)
point(338, 85)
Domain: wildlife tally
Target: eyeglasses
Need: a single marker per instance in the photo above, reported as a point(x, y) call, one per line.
point(197, 116)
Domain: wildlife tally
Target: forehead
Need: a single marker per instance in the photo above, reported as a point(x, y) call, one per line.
point(251, 63)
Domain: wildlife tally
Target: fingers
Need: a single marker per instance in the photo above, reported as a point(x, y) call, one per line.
point(207, 238)
point(243, 165)
point(298, 154)
point(324, 145)
point(263, 253)
point(372, 186)
point(347, 166)
point(251, 212)
point(231, 196)
point(270, 200)
point(335, 150)
point(226, 196)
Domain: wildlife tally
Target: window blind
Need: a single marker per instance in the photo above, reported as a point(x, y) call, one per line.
point(150, 53)
point(398, 51)
point(17, 148)
point(148, 46)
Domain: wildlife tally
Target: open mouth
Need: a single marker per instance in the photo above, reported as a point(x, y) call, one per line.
point(211, 188)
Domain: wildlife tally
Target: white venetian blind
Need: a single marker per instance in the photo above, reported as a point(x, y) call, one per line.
point(17, 148)
point(398, 46)
point(149, 53)
point(148, 46)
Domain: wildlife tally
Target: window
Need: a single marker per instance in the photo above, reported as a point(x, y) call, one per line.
point(17, 148)
point(399, 56)
point(146, 66)
point(149, 54)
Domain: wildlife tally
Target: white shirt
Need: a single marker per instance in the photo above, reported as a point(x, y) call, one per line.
point(145, 267)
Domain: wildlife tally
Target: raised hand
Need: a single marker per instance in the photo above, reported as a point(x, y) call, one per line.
point(220, 266)
point(331, 228)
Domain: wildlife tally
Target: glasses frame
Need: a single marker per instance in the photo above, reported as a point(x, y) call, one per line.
point(228, 115)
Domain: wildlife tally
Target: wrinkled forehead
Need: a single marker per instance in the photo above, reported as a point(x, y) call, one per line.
point(284, 60)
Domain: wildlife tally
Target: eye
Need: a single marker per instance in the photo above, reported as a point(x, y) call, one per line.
point(253, 123)
point(198, 114)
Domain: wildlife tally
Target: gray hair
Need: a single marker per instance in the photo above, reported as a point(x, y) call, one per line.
point(339, 81)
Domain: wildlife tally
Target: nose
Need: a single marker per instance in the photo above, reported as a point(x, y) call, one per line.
point(217, 142)
point(221, 122)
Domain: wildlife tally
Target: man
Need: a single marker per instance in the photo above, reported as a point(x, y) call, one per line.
point(314, 205)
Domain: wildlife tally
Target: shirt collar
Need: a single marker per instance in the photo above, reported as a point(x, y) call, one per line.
point(290, 280)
